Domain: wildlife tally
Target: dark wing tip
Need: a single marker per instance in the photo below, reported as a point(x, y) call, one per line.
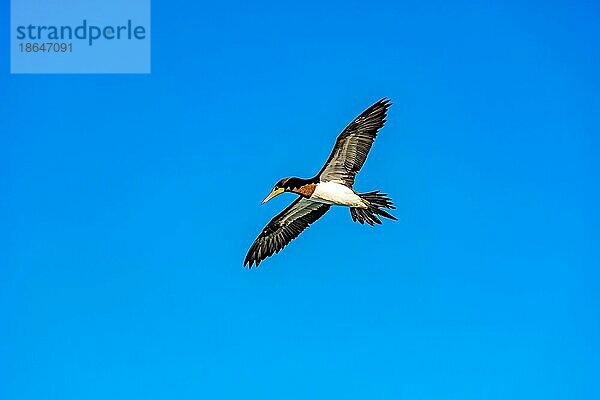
point(251, 257)
point(253, 261)
point(381, 106)
point(386, 102)
point(377, 110)
point(258, 252)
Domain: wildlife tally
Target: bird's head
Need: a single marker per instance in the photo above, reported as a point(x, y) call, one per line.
point(280, 187)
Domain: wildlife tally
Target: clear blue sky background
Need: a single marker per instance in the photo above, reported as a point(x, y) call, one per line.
point(127, 204)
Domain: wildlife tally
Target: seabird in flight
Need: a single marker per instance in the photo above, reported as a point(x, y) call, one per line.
point(331, 186)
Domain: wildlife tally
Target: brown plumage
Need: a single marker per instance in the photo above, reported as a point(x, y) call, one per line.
point(305, 190)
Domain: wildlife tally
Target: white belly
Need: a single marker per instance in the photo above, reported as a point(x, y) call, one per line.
point(336, 193)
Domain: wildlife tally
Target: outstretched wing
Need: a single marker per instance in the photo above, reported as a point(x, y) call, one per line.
point(353, 145)
point(285, 227)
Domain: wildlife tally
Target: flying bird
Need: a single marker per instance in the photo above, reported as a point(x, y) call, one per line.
point(331, 186)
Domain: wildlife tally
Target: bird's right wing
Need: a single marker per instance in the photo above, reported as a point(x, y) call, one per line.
point(283, 228)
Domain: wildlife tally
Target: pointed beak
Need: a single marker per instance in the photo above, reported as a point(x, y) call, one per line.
point(275, 192)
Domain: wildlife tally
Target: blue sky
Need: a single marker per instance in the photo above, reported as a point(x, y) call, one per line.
point(128, 203)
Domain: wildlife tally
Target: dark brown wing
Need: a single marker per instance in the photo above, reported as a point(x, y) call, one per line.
point(284, 228)
point(353, 145)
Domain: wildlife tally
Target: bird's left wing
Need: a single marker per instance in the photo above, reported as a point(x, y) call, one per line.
point(285, 227)
point(353, 145)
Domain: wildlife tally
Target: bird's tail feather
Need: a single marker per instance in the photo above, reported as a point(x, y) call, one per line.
point(375, 202)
